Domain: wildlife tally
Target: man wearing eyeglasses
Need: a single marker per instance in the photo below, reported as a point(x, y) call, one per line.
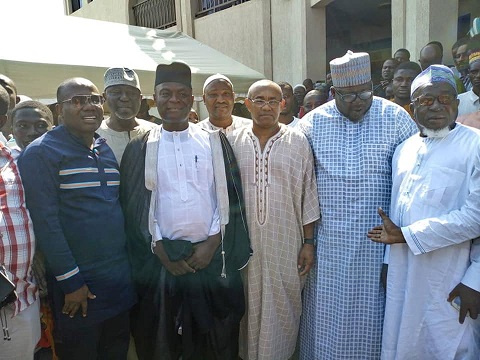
point(353, 139)
point(276, 164)
point(433, 217)
point(71, 181)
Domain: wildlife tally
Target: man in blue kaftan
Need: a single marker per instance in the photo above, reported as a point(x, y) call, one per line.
point(353, 139)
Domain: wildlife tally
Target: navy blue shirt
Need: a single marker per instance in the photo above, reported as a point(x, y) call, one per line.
point(72, 193)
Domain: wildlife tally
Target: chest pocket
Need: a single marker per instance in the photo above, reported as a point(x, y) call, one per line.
point(376, 159)
point(442, 187)
point(202, 171)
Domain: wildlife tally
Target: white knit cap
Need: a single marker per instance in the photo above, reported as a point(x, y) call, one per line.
point(216, 77)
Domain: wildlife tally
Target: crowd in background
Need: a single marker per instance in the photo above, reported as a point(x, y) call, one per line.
point(323, 220)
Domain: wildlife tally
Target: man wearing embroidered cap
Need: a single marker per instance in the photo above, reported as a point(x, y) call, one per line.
point(183, 203)
point(219, 99)
point(433, 218)
point(123, 96)
point(469, 107)
point(353, 139)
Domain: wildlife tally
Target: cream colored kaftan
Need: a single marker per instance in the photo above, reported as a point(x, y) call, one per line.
point(280, 197)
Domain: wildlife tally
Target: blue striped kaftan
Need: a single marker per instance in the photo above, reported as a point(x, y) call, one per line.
point(343, 298)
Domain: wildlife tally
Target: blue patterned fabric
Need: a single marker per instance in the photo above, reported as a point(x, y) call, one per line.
point(343, 298)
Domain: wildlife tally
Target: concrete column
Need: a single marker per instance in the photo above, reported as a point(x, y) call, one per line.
point(416, 22)
point(185, 12)
point(267, 39)
point(299, 38)
point(316, 39)
point(178, 14)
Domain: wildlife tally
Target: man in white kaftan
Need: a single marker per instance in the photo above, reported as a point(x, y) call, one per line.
point(353, 139)
point(436, 205)
point(187, 238)
point(276, 167)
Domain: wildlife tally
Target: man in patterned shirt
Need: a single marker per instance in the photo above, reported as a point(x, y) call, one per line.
point(353, 139)
point(71, 181)
point(20, 320)
point(276, 164)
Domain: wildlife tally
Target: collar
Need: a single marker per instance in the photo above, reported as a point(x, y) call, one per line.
point(473, 97)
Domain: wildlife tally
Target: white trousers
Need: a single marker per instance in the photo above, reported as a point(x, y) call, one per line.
point(24, 332)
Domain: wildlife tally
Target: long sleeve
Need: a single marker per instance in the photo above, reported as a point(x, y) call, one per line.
point(472, 275)
point(310, 206)
point(40, 179)
point(455, 227)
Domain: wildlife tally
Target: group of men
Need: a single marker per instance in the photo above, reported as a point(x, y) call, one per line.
point(199, 239)
point(398, 73)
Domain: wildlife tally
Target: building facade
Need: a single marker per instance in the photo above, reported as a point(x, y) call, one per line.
point(294, 39)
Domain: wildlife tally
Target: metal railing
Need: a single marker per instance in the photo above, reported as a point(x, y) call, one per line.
point(206, 7)
point(156, 14)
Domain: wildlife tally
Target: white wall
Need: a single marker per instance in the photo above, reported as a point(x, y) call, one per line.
point(241, 32)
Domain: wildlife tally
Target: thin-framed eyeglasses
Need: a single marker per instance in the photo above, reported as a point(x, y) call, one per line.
point(428, 100)
point(81, 100)
point(351, 97)
point(261, 103)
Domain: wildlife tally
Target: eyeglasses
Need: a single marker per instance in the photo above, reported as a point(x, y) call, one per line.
point(351, 97)
point(261, 103)
point(426, 100)
point(81, 100)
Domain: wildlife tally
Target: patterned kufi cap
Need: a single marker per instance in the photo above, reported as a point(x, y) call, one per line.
point(474, 56)
point(121, 76)
point(212, 78)
point(351, 69)
point(434, 74)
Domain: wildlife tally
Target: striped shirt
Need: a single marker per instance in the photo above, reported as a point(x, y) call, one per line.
point(16, 232)
point(72, 193)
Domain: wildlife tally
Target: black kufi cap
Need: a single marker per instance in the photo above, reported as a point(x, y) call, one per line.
point(175, 72)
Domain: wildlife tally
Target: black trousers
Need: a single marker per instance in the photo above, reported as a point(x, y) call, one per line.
point(107, 340)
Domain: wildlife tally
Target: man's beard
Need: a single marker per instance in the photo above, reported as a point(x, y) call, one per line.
point(439, 133)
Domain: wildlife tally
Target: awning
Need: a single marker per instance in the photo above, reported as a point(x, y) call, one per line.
point(39, 53)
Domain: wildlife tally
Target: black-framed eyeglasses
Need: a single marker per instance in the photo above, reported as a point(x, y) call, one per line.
point(261, 103)
point(81, 100)
point(351, 97)
point(428, 100)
